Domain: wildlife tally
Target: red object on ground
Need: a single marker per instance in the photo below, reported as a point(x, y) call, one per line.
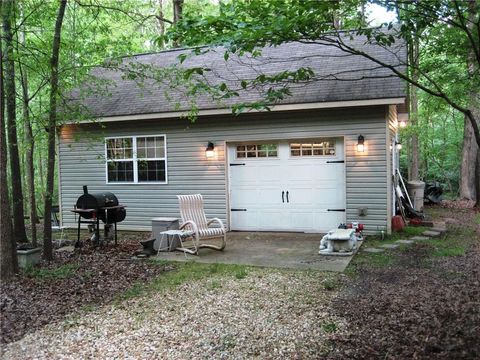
point(397, 223)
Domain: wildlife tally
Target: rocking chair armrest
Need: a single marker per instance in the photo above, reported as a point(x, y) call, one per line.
point(192, 224)
point(217, 220)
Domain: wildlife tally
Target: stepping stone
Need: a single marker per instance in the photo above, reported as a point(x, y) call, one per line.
point(373, 250)
point(405, 242)
point(441, 230)
point(66, 249)
point(389, 246)
point(431, 233)
point(420, 238)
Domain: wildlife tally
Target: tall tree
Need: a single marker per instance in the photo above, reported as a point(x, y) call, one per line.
point(8, 258)
point(161, 24)
point(10, 93)
point(177, 16)
point(52, 123)
point(29, 145)
point(470, 178)
point(414, 149)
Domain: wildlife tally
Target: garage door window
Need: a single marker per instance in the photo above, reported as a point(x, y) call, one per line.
point(323, 148)
point(257, 151)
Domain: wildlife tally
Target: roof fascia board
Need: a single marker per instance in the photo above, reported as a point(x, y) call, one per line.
point(227, 111)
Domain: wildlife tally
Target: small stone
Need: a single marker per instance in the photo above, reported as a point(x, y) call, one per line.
point(389, 246)
point(373, 250)
point(439, 229)
point(66, 249)
point(405, 242)
point(420, 238)
point(431, 233)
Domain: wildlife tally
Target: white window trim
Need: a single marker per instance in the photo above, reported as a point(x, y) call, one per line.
point(135, 160)
point(256, 158)
point(311, 156)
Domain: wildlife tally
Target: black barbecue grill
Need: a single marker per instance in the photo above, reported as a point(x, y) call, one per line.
point(93, 207)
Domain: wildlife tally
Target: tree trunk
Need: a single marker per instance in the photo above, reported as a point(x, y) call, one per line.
point(469, 179)
point(52, 122)
point(469, 182)
point(9, 87)
point(414, 153)
point(29, 149)
point(8, 254)
point(177, 16)
point(161, 24)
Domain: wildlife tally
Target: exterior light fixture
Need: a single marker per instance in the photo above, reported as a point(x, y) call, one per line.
point(398, 146)
point(361, 144)
point(210, 150)
point(402, 123)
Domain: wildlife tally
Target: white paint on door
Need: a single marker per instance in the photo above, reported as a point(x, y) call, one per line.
point(287, 193)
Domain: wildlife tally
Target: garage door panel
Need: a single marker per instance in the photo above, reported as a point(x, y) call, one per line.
point(313, 185)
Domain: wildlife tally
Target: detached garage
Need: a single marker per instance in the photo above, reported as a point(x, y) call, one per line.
point(323, 156)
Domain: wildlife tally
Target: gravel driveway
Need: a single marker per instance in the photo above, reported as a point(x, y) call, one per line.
point(268, 314)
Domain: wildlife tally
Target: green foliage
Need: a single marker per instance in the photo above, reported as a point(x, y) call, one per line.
point(183, 273)
point(60, 272)
point(329, 328)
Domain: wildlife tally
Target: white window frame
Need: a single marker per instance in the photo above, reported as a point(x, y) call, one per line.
point(135, 160)
point(300, 141)
point(256, 151)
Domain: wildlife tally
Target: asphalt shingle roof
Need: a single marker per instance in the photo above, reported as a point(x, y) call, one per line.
point(339, 76)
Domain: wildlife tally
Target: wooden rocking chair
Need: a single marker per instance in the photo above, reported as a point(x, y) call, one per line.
point(195, 221)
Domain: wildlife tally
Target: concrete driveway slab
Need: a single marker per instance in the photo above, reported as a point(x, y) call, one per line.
point(280, 250)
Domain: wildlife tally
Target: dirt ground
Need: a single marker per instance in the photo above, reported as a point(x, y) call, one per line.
point(422, 302)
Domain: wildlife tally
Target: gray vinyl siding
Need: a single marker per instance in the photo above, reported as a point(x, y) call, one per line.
point(82, 152)
point(391, 129)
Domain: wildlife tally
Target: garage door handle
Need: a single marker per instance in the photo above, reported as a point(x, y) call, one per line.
point(283, 194)
point(341, 210)
point(287, 197)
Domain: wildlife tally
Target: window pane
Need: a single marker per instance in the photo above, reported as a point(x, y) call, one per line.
point(240, 154)
point(272, 153)
point(128, 153)
point(251, 147)
point(120, 171)
point(151, 153)
point(141, 153)
point(262, 153)
point(241, 148)
point(306, 151)
point(160, 147)
point(141, 143)
point(151, 170)
point(251, 154)
point(120, 148)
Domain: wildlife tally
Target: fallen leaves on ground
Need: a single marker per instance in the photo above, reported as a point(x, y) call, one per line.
point(96, 277)
point(419, 308)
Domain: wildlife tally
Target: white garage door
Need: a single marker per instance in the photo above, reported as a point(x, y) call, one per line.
point(287, 185)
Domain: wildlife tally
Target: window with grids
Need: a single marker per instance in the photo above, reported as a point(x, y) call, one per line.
point(256, 151)
point(317, 148)
point(136, 159)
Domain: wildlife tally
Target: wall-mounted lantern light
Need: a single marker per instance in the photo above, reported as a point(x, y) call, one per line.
point(398, 146)
point(210, 150)
point(361, 144)
point(402, 123)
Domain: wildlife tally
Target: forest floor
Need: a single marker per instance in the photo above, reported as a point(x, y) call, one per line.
point(417, 301)
point(421, 301)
